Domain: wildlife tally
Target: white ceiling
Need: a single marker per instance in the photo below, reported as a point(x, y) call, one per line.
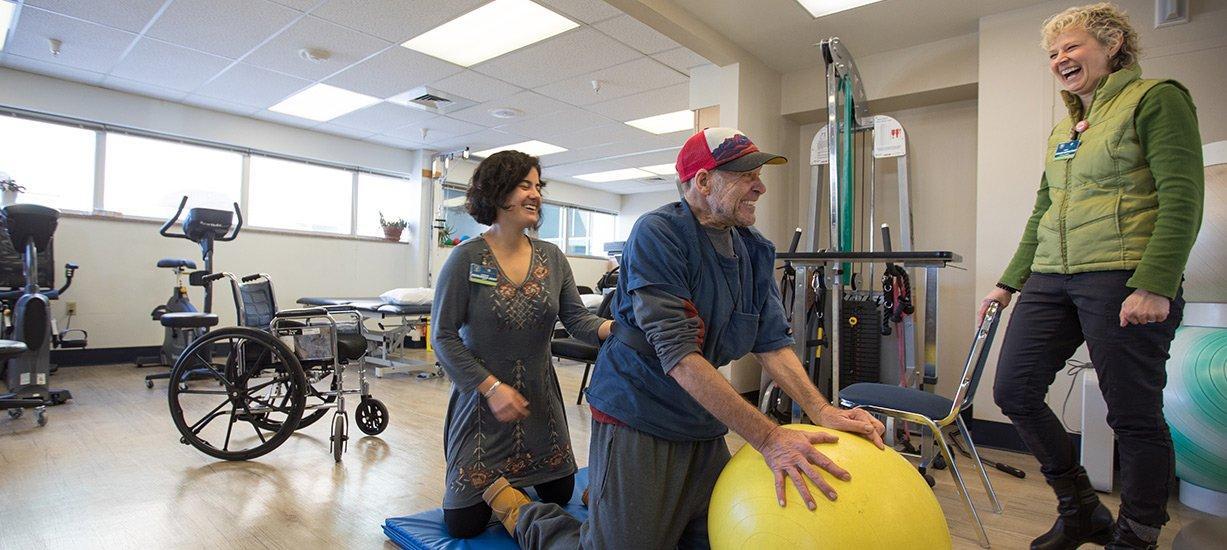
point(782, 34)
point(242, 56)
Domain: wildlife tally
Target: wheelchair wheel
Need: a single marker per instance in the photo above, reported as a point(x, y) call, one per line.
point(338, 437)
point(371, 416)
point(258, 404)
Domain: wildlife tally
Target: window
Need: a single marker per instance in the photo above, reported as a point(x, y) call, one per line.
point(577, 231)
point(148, 177)
point(551, 224)
point(54, 163)
point(589, 231)
point(393, 197)
point(293, 195)
point(457, 218)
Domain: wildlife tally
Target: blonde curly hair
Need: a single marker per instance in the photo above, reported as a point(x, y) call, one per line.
point(1106, 22)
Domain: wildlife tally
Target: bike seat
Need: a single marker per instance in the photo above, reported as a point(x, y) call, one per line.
point(188, 319)
point(11, 348)
point(176, 263)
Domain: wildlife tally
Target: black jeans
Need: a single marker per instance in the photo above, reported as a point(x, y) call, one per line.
point(1054, 315)
point(470, 521)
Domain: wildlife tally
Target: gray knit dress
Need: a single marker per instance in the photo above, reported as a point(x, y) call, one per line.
point(504, 329)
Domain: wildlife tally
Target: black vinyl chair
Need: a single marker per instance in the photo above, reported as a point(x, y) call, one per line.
point(580, 351)
point(938, 414)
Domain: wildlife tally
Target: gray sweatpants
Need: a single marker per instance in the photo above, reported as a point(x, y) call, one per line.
point(643, 493)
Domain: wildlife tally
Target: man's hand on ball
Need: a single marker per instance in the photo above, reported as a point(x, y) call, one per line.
point(855, 421)
point(791, 453)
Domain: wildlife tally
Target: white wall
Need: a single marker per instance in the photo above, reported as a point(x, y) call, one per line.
point(639, 204)
point(1018, 105)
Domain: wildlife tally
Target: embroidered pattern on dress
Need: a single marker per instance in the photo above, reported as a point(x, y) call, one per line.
point(518, 307)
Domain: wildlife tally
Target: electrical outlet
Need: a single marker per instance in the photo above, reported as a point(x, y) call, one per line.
point(72, 308)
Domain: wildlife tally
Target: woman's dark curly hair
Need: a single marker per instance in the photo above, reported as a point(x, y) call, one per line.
point(495, 178)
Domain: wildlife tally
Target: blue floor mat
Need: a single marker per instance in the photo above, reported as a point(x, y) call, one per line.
point(425, 530)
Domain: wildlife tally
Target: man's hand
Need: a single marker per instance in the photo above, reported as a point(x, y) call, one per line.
point(507, 404)
point(1143, 307)
point(855, 421)
point(791, 453)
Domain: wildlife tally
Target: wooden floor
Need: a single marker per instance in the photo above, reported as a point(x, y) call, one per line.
point(108, 472)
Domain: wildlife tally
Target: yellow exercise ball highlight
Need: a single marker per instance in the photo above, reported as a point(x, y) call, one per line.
point(887, 504)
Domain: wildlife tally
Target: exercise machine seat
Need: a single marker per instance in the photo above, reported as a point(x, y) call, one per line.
point(26, 221)
point(574, 349)
point(11, 348)
point(188, 319)
point(176, 263)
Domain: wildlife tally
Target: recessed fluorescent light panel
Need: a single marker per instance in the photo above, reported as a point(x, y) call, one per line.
point(490, 31)
point(323, 102)
point(819, 8)
point(661, 169)
point(6, 18)
point(666, 123)
point(533, 147)
point(616, 175)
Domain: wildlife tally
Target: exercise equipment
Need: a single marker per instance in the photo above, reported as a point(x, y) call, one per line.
point(1195, 406)
point(279, 371)
point(183, 323)
point(30, 228)
point(426, 530)
point(885, 505)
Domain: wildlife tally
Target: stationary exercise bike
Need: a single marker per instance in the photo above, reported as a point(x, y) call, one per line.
point(26, 373)
point(182, 321)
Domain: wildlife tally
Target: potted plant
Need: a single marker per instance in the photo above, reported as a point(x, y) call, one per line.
point(9, 189)
point(392, 227)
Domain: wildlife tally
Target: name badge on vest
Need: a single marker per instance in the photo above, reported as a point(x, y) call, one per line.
point(1066, 150)
point(483, 275)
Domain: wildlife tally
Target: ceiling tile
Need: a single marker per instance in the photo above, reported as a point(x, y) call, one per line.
point(565, 121)
point(655, 102)
point(438, 128)
point(564, 56)
point(630, 31)
point(583, 167)
point(253, 86)
point(381, 116)
point(681, 59)
point(531, 104)
point(588, 11)
point(169, 66)
point(398, 142)
point(143, 88)
point(347, 47)
point(63, 72)
point(667, 156)
point(229, 28)
point(475, 86)
point(282, 118)
point(636, 76)
point(485, 139)
point(85, 45)
point(222, 105)
point(394, 20)
point(600, 135)
point(300, 5)
point(393, 71)
point(129, 15)
point(344, 131)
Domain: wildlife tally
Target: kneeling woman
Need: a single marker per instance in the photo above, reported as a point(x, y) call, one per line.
point(496, 302)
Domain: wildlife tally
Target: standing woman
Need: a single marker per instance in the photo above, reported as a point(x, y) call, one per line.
point(1101, 261)
point(496, 302)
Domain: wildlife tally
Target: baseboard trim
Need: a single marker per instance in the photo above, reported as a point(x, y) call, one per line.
point(101, 356)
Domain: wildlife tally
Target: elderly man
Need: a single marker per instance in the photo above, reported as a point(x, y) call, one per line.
point(696, 292)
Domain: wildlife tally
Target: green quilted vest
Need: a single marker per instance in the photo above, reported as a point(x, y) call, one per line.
point(1104, 202)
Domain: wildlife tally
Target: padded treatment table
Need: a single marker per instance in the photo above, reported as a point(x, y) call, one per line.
point(395, 322)
point(425, 530)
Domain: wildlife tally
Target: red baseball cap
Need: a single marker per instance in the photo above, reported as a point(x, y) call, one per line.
point(721, 149)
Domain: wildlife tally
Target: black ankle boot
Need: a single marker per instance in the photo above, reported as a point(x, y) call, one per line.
point(1082, 518)
point(1125, 537)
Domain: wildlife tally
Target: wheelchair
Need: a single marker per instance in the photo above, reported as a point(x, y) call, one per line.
point(237, 393)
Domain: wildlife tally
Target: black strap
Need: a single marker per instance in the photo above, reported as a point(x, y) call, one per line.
point(634, 338)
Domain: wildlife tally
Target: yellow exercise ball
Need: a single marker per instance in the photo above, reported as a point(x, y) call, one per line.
point(887, 504)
